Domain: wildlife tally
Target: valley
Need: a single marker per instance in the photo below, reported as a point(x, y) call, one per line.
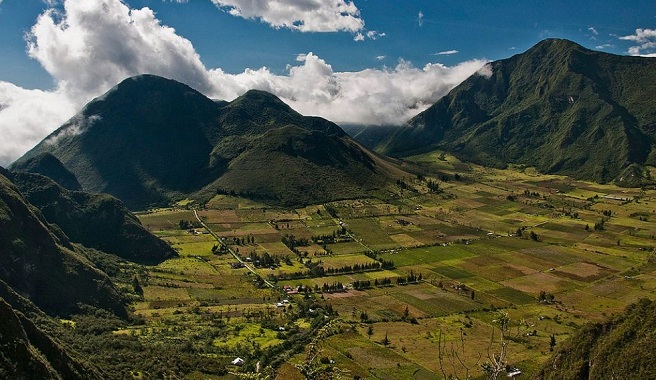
point(409, 286)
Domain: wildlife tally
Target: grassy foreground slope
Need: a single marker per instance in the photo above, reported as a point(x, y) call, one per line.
point(621, 348)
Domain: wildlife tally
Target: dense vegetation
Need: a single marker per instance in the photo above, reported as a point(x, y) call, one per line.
point(454, 271)
point(152, 140)
point(620, 348)
point(40, 262)
point(95, 220)
point(551, 107)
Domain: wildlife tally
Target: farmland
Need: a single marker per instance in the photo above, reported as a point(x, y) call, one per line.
point(411, 284)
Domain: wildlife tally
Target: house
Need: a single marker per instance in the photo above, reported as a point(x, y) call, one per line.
point(238, 361)
point(514, 372)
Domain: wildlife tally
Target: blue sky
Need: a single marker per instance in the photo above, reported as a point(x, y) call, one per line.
point(362, 61)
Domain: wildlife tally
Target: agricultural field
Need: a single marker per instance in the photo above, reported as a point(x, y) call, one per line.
point(425, 284)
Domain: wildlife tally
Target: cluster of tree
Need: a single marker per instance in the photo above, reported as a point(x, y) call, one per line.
point(189, 224)
point(332, 288)
point(292, 242)
point(338, 236)
point(355, 268)
point(332, 211)
point(531, 194)
point(250, 239)
point(384, 264)
point(545, 297)
point(219, 249)
point(264, 260)
point(433, 186)
point(402, 184)
point(532, 235)
point(361, 284)
point(412, 278)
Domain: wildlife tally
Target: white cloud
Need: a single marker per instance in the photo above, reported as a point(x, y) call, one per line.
point(380, 57)
point(302, 15)
point(604, 46)
point(27, 116)
point(645, 40)
point(448, 52)
point(358, 37)
point(420, 18)
point(93, 45)
point(593, 30)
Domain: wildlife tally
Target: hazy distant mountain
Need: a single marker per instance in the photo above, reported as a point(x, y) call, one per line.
point(151, 140)
point(560, 107)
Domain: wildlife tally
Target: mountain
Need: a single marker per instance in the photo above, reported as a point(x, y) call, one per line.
point(49, 166)
point(28, 349)
point(39, 262)
point(97, 221)
point(621, 348)
point(150, 141)
point(558, 106)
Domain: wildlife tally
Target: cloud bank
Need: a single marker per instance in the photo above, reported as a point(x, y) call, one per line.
point(646, 42)
point(93, 45)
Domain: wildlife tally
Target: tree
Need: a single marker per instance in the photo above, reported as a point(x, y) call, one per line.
point(370, 331)
point(136, 286)
point(552, 342)
point(534, 236)
point(386, 341)
point(406, 313)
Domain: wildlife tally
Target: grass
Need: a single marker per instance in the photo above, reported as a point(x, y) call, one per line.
point(453, 239)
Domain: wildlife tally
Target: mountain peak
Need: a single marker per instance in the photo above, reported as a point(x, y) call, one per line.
point(551, 107)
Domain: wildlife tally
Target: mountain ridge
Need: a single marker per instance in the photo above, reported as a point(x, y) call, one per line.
point(151, 141)
point(549, 107)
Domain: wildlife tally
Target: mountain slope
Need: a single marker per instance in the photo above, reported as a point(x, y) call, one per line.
point(560, 107)
point(621, 348)
point(152, 140)
point(27, 350)
point(97, 221)
point(39, 262)
point(48, 165)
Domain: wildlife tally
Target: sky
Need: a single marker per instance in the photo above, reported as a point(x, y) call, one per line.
point(370, 62)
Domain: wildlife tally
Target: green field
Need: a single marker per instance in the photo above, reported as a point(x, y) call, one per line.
point(465, 245)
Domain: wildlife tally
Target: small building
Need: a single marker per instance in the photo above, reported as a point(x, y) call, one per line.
point(238, 361)
point(514, 372)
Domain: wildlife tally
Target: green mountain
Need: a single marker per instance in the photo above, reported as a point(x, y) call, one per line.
point(97, 221)
point(558, 106)
point(28, 347)
point(49, 166)
point(621, 348)
point(151, 140)
point(39, 262)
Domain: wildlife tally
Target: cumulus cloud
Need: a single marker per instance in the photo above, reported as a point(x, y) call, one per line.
point(92, 46)
point(302, 15)
point(27, 116)
point(95, 44)
point(420, 18)
point(645, 40)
